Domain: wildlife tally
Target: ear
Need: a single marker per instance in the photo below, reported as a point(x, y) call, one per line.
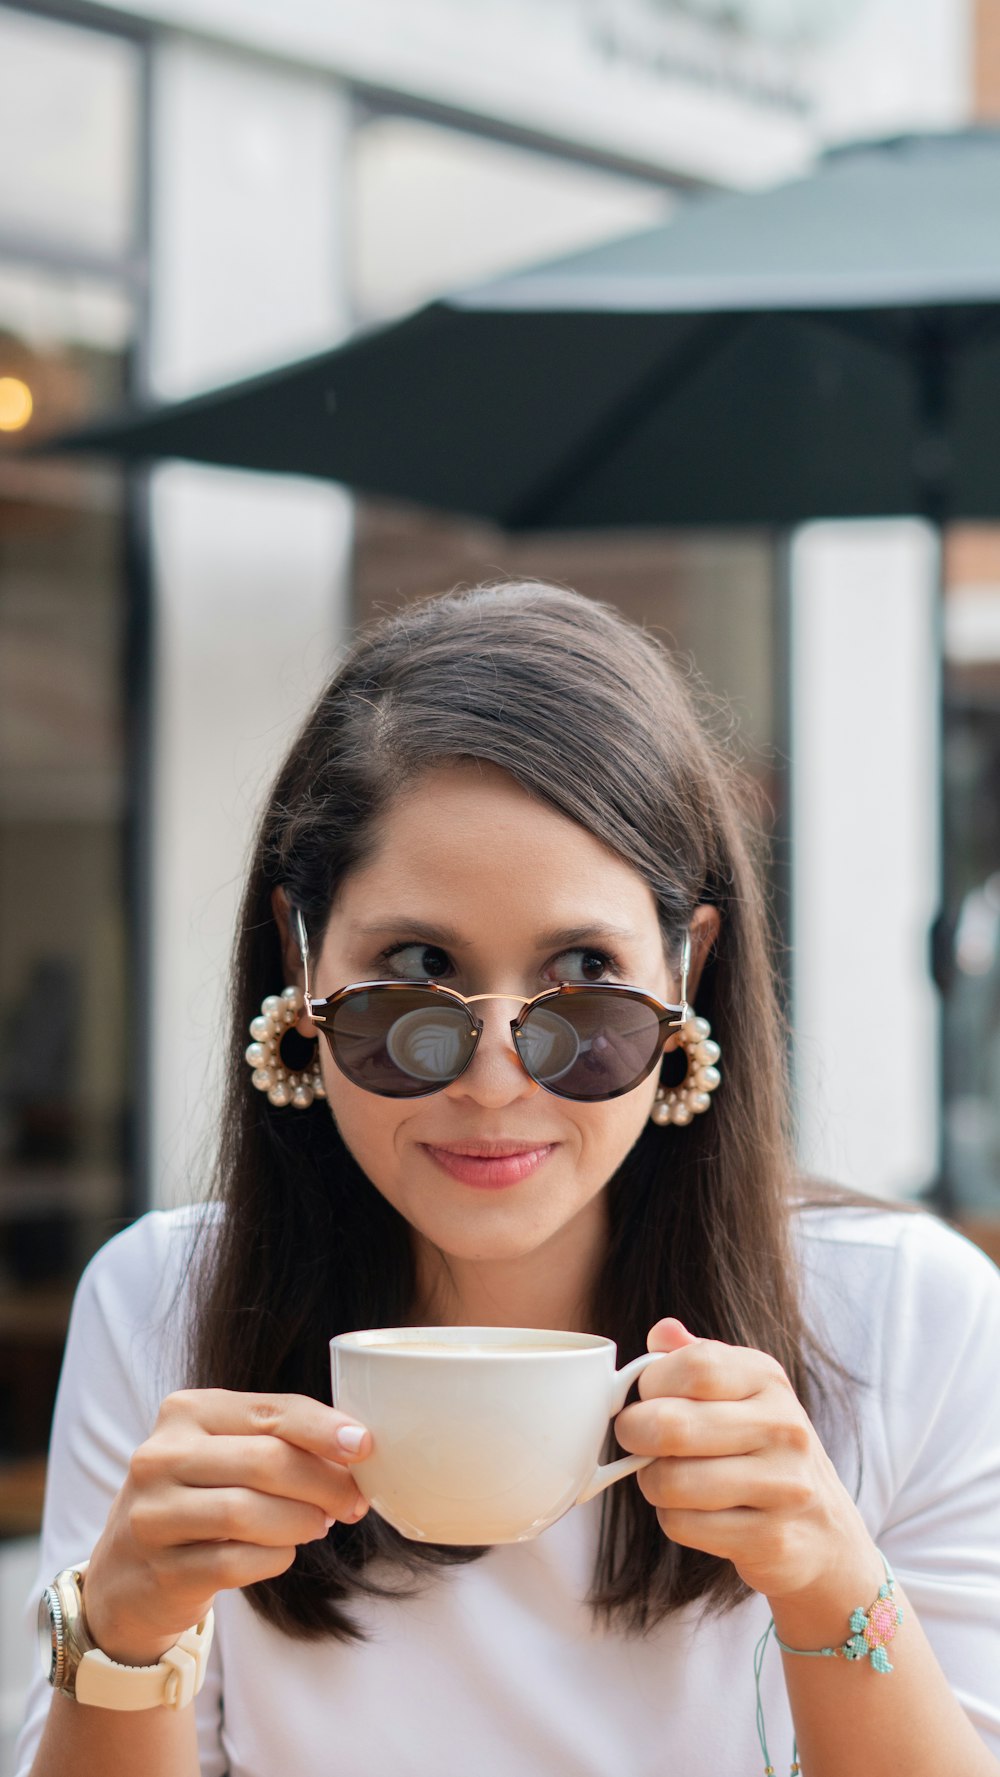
point(290, 955)
point(704, 929)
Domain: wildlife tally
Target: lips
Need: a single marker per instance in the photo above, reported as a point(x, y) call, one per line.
point(491, 1165)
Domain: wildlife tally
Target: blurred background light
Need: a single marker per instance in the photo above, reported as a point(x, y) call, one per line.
point(16, 404)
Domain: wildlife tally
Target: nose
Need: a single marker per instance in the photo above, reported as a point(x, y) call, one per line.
point(495, 1076)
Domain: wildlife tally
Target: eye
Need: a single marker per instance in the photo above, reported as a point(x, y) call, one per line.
point(583, 964)
point(414, 962)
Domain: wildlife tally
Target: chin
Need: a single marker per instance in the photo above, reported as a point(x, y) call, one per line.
point(482, 1246)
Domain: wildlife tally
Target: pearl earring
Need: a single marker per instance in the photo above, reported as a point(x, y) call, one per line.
point(278, 1013)
point(679, 1104)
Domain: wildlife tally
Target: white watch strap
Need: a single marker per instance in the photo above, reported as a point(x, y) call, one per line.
point(171, 1684)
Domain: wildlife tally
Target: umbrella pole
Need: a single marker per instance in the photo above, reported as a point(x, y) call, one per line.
point(933, 473)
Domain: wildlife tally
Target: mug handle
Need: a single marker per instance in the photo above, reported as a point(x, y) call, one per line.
point(606, 1472)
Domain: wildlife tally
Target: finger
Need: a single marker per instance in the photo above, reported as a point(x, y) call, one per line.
point(268, 1465)
point(669, 1335)
point(238, 1514)
point(181, 1515)
point(298, 1419)
point(723, 1484)
point(707, 1370)
point(675, 1427)
point(200, 1570)
point(715, 1533)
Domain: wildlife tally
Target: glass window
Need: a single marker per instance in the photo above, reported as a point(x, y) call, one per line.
point(65, 1076)
point(69, 117)
point(969, 940)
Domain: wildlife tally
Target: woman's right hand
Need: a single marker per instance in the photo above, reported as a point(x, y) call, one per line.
point(220, 1495)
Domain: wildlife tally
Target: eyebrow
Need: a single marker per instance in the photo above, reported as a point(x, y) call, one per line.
point(385, 928)
point(563, 937)
point(587, 934)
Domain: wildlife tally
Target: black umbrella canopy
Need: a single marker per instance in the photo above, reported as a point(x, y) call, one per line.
point(828, 348)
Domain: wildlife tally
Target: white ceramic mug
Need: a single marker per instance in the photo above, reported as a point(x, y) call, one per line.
point(481, 1434)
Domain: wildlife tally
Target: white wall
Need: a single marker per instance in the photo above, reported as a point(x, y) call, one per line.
point(864, 670)
point(897, 65)
point(250, 571)
point(633, 78)
point(865, 802)
point(434, 208)
point(18, 1651)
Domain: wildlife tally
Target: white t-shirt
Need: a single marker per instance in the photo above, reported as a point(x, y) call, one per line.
point(497, 1664)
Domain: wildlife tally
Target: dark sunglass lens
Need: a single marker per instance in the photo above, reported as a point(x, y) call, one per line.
point(400, 1043)
point(548, 1044)
point(590, 1045)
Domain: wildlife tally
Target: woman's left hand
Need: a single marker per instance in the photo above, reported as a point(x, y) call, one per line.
point(740, 1471)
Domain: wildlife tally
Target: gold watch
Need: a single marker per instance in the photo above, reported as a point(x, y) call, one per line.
point(74, 1665)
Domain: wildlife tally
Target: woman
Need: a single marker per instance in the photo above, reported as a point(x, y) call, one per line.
point(507, 794)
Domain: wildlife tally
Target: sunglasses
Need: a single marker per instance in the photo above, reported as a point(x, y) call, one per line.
point(404, 1039)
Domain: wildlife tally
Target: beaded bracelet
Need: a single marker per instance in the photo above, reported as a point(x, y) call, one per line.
point(871, 1632)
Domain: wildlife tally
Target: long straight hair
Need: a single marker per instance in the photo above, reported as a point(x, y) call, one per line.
point(589, 713)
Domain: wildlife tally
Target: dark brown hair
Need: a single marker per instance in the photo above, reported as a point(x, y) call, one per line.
point(591, 714)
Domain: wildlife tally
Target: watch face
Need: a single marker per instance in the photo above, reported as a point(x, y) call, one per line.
point(48, 1639)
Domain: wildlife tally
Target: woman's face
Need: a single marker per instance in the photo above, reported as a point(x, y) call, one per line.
point(476, 885)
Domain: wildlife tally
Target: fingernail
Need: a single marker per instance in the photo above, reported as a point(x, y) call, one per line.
point(330, 1523)
point(351, 1437)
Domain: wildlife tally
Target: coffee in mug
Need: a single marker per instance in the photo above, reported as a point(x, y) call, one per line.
point(481, 1434)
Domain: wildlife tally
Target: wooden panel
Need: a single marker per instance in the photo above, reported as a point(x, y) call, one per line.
point(986, 61)
point(22, 1490)
point(985, 1231)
